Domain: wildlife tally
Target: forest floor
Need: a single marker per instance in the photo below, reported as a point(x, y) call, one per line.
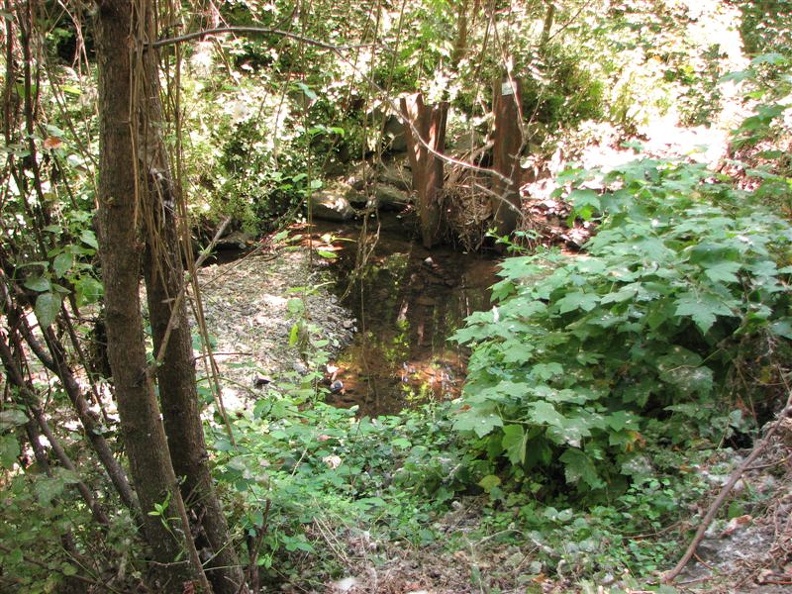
point(246, 304)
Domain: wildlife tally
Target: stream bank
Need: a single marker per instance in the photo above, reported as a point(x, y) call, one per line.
point(384, 305)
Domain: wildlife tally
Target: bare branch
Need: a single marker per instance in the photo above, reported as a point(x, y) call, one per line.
point(256, 30)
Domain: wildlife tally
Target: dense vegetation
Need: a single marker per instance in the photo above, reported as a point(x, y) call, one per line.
point(606, 386)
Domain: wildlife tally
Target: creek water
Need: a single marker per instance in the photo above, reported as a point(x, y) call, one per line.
point(407, 301)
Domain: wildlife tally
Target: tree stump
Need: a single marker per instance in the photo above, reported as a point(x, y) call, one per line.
point(425, 134)
point(507, 145)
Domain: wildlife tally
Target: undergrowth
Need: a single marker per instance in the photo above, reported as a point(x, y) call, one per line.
point(671, 328)
point(605, 390)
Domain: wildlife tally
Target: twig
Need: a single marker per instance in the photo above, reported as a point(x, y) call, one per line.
point(670, 576)
point(257, 30)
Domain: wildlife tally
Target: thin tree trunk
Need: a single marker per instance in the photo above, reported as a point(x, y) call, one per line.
point(175, 371)
point(175, 567)
point(547, 26)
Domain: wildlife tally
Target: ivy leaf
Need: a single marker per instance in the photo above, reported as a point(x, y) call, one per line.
point(514, 443)
point(47, 308)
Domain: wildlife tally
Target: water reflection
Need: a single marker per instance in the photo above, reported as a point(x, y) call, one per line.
point(407, 301)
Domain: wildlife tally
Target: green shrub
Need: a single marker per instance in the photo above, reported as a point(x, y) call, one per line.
point(663, 331)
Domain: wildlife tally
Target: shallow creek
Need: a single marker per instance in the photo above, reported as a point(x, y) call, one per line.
point(407, 302)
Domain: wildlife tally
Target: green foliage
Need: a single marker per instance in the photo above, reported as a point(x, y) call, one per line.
point(645, 336)
point(768, 86)
point(560, 90)
point(48, 537)
point(296, 468)
point(766, 26)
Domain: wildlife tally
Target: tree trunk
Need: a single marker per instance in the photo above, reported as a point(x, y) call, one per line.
point(120, 191)
point(547, 26)
point(507, 145)
point(175, 371)
point(425, 129)
point(164, 274)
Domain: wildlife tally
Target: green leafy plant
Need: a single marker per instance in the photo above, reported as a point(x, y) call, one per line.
point(649, 335)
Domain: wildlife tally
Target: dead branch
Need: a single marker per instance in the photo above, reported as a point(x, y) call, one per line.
point(670, 576)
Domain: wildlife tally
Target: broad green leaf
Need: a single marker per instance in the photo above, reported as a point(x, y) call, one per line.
point(625, 293)
point(578, 300)
point(48, 488)
point(401, 442)
point(481, 423)
point(62, 264)
point(690, 380)
point(622, 419)
point(488, 482)
point(9, 451)
point(585, 203)
point(517, 351)
point(88, 290)
point(572, 432)
point(724, 271)
point(546, 371)
point(703, 309)
point(38, 284)
point(544, 413)
point(782, 328)
point(12, 417)
point(88, 237)
point(47, 308)
point(514, 442)
point(772, 58)
point(68, 569)
point(578, 467)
